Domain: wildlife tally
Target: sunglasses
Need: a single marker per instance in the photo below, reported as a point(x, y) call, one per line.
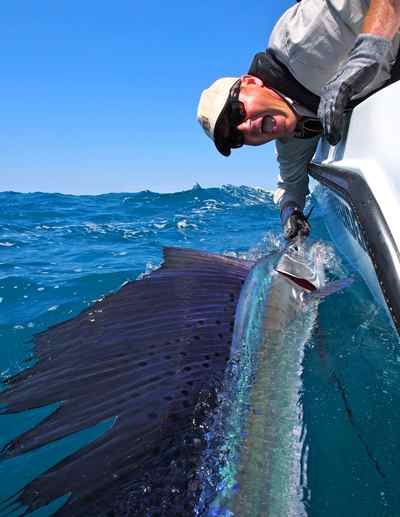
point(237, 115)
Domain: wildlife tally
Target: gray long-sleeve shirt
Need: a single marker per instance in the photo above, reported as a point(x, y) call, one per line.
point(313, 39)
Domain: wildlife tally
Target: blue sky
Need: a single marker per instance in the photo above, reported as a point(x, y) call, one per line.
point(101, 96)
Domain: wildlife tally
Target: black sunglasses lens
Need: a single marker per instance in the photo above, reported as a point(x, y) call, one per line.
point(238, 113)
point(236, 139)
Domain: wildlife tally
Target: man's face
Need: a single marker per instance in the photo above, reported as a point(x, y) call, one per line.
point(268, 116)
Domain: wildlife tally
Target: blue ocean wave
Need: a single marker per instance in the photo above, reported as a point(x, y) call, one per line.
point(59, 253)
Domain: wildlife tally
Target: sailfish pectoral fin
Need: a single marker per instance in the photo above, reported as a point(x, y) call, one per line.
point(143, 355)
point(328, 289)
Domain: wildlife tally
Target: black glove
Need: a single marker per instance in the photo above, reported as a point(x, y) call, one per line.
point(294, 222)
point(370, 55)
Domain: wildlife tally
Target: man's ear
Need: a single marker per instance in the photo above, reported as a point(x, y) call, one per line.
point(248, 80)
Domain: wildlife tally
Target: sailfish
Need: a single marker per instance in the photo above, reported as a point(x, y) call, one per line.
point(151, 357)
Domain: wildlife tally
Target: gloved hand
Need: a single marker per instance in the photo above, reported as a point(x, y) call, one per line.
point(294, 222)
point(370, 55)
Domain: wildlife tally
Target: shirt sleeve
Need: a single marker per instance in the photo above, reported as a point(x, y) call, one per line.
point(294, 157)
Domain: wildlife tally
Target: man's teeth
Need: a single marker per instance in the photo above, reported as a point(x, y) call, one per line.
point(268, 124)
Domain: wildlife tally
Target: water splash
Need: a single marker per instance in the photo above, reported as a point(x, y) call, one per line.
point(254, 463)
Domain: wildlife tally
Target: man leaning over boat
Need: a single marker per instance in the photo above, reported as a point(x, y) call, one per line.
point(321, 55)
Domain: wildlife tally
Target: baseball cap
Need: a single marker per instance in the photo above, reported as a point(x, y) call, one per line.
point(213, 115)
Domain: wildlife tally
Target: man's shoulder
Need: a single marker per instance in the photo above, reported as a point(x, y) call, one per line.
point(312, 37)
point(313, 16)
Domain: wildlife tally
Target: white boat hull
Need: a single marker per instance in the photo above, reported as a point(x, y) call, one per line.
point(359, 193)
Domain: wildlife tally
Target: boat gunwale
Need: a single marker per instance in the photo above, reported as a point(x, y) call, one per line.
point(379, 241)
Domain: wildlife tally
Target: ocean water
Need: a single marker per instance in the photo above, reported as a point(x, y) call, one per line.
point(60, 253)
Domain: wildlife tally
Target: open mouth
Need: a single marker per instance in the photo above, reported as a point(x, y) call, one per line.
point(268, 124)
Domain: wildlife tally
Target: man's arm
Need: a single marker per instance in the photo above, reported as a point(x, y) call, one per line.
point(371, 57)
point(294, 158)
point(382, 18)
